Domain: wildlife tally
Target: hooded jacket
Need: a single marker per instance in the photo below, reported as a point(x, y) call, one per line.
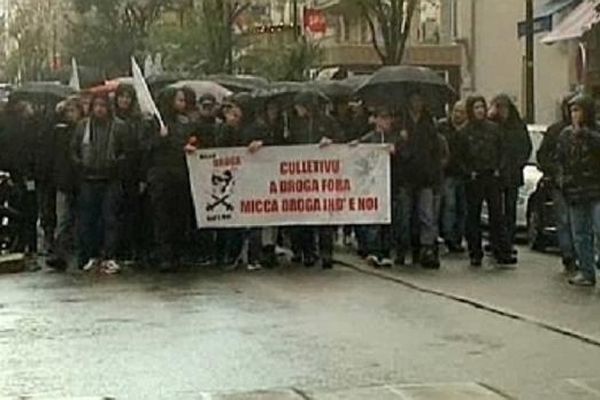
point(517, 146)
point(315, 126)
point(547, 156)
point(578, 154)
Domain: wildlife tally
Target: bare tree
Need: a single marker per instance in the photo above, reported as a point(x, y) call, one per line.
point(390, 23)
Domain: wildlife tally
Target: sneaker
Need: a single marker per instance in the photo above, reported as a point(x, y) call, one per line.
point(373, 260)
point(507, 261)
point(255, 266)
point(110, 267)
point(56, 263)
point(91, 265)
point(385, 262)
point(580, 280)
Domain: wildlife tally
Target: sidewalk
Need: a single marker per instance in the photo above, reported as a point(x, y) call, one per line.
point(536, 291)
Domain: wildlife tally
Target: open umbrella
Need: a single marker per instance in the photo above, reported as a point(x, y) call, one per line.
point(42, 92)
point(395, 83)
point(204, 87)
point(240, 83)
point(285, 91)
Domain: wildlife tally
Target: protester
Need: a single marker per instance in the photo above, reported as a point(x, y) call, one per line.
point(207, 109)
point(65, 181)
point(168, 181)
point(517, 152)
point(454, 198)
point(312, 126)
point(547, 161)
point(131, 211)
point(98, 151)
point(379, 237)
point(483, 161)
point(21, 133)
point(420, 159)
point(579, 159)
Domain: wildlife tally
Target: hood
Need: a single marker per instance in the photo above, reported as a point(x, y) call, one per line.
point(589, 108)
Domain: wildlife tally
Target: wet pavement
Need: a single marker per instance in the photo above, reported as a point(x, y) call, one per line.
point(308, 334)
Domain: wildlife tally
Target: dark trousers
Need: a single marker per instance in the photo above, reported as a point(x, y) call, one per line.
point(98, 209)
point(46, 201)
point(380, 240)
point(28, 208)
point(171, 212)
point(304, 242)
point(485, 188)
point(132, 221)
point(229, 243)
point(511, 196)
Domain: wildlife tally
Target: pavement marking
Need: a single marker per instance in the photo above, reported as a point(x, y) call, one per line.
point(582, 337)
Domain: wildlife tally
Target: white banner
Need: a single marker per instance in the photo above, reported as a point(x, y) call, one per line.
point(291, 185)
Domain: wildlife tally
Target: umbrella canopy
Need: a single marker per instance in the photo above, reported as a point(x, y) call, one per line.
point(240, 83)
point(43, 92)
point(156, 83)
point(285, 91)
point(334, 89)
point(395, 83)
point(110, 86)
point(204, 87)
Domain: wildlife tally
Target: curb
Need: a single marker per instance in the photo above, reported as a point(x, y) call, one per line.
point(475, 303)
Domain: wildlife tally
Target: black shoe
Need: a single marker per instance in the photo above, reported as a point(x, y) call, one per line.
point(507, 260)
point(476, 262)
point(56, 263)
point(455, 248)
point(296, 259)
point(327, 264)
point(400, 261)
point(309, 261)
point(429, 259)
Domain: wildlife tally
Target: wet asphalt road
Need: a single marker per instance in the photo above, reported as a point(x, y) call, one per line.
point(150, 336)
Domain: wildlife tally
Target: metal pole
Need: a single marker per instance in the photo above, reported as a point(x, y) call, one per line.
point(529, 64)
point(295, 18)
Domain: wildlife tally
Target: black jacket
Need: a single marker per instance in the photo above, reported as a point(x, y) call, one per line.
point(578, 157)
point(455, 167)
point(132, 166)
point(104, 155)
point(167, 154)
point(419, 158)
point(65, 177)
point(483, 150)
point(21, 135)
point(547, 155)
point(517, 150)
point(313, 129)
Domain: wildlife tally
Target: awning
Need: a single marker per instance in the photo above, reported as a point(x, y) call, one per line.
point(544, 13)
point(577, 23)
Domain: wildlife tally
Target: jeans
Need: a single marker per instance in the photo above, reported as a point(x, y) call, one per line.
point(563, 226)
point(585, 217)
point(65, 224)
point(510, 198)
point(454, 211)
point(423, 203)
point(486, 188)
point(99, 203)
point(379, 240)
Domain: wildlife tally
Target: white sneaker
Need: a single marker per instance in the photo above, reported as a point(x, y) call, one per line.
point(254, 266)
point(373, 260)
point(91, 265)
point(111, 267)
point(385, 262)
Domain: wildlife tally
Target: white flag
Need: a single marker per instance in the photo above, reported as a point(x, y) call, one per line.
point(147, 105)
point(74, 81)
point(148, 66)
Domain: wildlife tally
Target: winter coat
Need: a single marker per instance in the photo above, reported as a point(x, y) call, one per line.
point(419, 157)
point(98, 150)
point(312, 129)
point(65, 177)
point(579, 162)
point(455, 166)
point(483, 150)
point(547, 155)
point(517, 150)
point(166, 154)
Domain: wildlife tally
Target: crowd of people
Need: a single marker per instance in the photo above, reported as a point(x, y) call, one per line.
point(109, 185)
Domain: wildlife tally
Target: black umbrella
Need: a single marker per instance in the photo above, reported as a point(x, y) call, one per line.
point(285, 91)
point(43, 92)
point(334, 89)
point(395, 83)
point(240, 83)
